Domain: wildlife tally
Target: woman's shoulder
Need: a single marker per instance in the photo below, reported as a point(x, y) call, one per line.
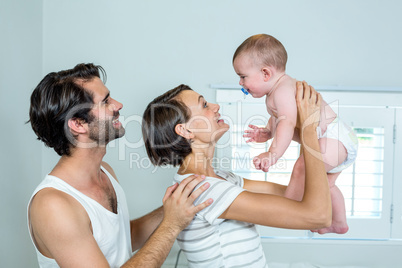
point(224, 175)
point(230, 177)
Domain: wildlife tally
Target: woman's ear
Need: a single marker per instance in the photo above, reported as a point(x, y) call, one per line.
point(77, 126)
point(181, 130)
point(267, 72)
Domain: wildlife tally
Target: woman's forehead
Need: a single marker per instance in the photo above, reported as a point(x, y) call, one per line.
point(190, 97)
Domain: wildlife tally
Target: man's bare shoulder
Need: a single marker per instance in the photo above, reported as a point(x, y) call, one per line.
point(60, 226)
point(109, 169)
point(50, 202)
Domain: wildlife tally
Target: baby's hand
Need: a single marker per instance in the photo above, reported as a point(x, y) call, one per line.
point(257, 134)
point(264, 161)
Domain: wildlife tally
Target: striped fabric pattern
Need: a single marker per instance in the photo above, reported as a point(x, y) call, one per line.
point(212, 242)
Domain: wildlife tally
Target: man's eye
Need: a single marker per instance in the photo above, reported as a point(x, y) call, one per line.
point(107, 101)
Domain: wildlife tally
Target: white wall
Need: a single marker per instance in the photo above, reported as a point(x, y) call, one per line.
point(148, 47)
point(20, 154)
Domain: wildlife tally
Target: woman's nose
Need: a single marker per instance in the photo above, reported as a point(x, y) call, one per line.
point(216, 107)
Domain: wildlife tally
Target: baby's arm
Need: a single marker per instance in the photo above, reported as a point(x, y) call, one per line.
point(284, 100)
point(287, 115)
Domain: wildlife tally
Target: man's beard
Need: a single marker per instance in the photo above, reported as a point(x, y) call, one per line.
point(103, 131)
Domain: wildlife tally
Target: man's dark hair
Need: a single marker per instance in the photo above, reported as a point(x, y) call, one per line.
point(164, 146)
point(58, 98)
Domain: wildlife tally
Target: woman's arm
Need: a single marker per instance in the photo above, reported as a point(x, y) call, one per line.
point(314, 210)
point(264, 187)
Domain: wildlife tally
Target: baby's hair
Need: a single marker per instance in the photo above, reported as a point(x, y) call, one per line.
point(266, 50)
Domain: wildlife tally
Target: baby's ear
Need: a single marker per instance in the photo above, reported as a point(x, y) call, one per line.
point(267, 72)
point(181, 130)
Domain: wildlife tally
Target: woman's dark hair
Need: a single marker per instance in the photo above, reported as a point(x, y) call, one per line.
point(164, 146)
point(58, 98)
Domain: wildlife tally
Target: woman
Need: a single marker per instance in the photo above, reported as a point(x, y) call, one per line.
point(181, 129)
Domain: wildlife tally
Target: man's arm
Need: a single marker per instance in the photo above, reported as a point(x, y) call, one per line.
point(179, 211)
point(62, 230)
point(142, 228)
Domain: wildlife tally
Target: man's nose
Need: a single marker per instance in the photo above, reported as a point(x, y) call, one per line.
point(117, 106)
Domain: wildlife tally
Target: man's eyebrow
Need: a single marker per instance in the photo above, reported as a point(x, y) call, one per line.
point(107, 96)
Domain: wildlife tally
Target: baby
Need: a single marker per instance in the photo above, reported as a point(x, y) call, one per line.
point(260, 62)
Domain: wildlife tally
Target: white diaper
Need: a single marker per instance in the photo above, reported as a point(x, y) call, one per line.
point(340, 131)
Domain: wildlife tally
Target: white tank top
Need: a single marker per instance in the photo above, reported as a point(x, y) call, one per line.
point(111, 231)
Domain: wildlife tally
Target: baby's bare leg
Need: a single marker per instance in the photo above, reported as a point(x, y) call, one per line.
point(339, 223)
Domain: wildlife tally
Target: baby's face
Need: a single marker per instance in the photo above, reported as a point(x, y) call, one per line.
point(251, 75)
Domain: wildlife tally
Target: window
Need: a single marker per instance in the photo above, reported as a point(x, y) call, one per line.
point(367, 185)
point(362, 183)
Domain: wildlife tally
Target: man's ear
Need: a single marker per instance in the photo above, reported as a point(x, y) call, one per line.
point(267, 72)
point(181, 130)
point(77, 126)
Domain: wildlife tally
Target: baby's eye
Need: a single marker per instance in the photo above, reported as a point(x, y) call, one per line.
point(205, 104)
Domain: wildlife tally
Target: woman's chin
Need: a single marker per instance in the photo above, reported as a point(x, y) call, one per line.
point(220, 132)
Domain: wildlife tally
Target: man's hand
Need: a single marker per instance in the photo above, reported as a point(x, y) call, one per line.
point(178, 206)
point(257, 134)
point(264, 161)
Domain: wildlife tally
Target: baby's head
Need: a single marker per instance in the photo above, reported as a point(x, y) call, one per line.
point(258, 61)
point(264, 50)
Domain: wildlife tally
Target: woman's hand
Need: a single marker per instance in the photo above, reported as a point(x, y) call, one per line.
point(308, 106)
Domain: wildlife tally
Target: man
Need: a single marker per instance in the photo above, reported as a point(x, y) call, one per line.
point(78, 215)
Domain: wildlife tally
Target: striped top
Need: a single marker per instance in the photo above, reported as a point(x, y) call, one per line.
point(212, 242)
